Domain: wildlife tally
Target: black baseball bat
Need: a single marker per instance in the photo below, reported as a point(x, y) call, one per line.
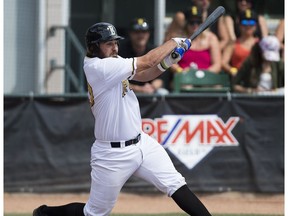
point(211, 19)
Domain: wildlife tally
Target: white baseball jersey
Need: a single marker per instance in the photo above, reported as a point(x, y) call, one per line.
point(114, 105)
point(117, 118)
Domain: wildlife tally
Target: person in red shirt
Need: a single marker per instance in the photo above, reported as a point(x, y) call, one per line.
point(236, 52)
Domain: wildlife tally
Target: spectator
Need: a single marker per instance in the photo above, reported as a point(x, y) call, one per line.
point(177, 26)
point(279, 33)
point(138, 45)
point(263, 70)
point(204, 52)
point(233, 22)
point(235, 53)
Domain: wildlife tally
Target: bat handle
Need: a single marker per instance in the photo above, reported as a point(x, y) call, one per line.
point(178, 51)
point(174, 55)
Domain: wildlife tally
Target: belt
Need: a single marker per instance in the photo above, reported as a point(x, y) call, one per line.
point(126, 143)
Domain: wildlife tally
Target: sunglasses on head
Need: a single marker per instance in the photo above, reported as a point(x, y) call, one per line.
point(248, 22)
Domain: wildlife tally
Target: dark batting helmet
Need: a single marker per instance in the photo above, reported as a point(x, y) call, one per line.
point(101, 32)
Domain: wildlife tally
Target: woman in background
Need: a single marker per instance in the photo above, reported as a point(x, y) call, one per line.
point(204, 52)
point(236, 52)
point(263, 70)
point(178, 24)
point(232, 21)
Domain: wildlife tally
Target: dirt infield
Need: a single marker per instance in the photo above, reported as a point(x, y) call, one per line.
point(231, 202)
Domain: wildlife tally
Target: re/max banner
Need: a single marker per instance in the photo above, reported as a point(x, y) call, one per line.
point(217, 144)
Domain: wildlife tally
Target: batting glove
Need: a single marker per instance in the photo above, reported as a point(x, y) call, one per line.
point(174, 57)
point(183, 42)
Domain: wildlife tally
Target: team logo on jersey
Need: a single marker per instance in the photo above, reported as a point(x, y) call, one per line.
point(125, 87)
point(191, 137)
point(91, 95)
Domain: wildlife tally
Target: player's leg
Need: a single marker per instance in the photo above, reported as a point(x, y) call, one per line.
point(189, 203)
point(102, 197)
point(111, 168)
point(158, 169)
point(72, 209)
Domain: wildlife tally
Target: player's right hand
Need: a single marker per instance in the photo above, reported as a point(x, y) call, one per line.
point(179, 51)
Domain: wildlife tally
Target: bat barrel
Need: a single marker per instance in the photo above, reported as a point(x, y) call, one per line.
point(211, 19)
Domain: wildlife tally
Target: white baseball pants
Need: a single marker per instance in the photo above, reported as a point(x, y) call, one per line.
point(112, 167)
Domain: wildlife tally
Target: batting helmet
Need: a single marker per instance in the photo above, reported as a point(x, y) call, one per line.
point(101, 32)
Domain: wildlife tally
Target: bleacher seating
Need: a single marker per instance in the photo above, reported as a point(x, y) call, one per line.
point(201, 81)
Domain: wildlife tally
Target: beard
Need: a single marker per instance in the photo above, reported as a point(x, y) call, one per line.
point(107, 55)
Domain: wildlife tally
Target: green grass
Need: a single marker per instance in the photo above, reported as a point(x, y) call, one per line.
point(174, 214)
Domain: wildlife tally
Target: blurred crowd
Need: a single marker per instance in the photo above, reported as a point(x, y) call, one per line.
point(239, 45)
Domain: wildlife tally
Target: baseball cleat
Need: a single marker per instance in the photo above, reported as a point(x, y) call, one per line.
point(38, 211)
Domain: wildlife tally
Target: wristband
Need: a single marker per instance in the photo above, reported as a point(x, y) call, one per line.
point(161, 68)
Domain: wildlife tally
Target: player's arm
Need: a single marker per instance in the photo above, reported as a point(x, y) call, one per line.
point(160, 59)
point(155, 56)
point(147, 75)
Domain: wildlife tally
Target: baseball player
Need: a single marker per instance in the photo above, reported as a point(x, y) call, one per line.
point(121, 148)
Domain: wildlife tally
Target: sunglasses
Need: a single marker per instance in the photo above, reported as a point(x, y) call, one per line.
point(248, 22)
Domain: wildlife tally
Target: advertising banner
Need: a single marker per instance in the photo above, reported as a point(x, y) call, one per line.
point(215, 143)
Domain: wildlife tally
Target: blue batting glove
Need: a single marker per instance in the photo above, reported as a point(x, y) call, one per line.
point(183, 42)
point(178, 53)
point(186, 44)
point(173, 58)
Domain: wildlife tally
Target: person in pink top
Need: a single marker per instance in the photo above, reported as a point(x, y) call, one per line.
point(177, 26)
point(205, 52)
point(236, 52)
point(196, 59)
